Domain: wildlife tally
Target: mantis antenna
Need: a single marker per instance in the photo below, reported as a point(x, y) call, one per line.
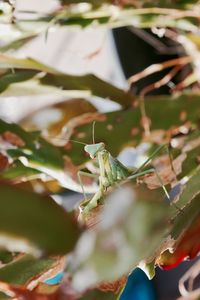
point(62, 139)
point(77, 142)
point(93, 128)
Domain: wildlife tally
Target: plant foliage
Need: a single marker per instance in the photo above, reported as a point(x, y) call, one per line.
point(137, 224)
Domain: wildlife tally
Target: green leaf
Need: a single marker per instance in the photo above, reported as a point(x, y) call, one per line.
point(188, 192)
point(33, 223)
point(91, 83)
point(4, 296)
point(24, 269)
point(18, 170)
point(184, 214)
point(32, 88)
point(6, 256)
point(11, 62)
point(185, 207)
point(17, 43)
point(98, 295)
point(185, 218)
point(36, 150)
point(192, 149)
point(9, 78)
point(160, 14)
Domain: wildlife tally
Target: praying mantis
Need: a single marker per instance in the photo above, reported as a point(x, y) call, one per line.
point(112, 172)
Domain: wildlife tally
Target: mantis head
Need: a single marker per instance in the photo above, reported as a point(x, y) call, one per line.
point(94, 149)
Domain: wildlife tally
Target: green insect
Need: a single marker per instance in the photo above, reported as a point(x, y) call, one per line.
point(112, 171)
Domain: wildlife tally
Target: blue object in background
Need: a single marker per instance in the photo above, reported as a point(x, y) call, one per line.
point(55, 280)
point(138, 287)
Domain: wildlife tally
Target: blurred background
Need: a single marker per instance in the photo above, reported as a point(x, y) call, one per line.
point(113, 56)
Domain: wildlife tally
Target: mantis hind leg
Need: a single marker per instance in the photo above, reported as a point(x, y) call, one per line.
point(152, 170)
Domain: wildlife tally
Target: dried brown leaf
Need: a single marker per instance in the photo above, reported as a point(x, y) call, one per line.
point(93, 217)
point(13, 139)
point(73, 170)
point(157, 136)
point(191, 145)
point(81, 120)
point(114, 286)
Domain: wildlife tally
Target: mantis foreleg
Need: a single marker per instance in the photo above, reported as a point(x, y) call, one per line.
point(82, 173)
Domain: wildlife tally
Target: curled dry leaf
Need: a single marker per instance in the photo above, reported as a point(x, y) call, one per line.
point(45, 292)
point(160, 136)
point(182, 129)
point(13, 139)
point(165, 171)
point(114, 286)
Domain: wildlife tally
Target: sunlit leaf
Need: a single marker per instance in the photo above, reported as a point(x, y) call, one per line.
point(53, 77)
point(30, 145)
point(39, 156)
point(53, 119)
